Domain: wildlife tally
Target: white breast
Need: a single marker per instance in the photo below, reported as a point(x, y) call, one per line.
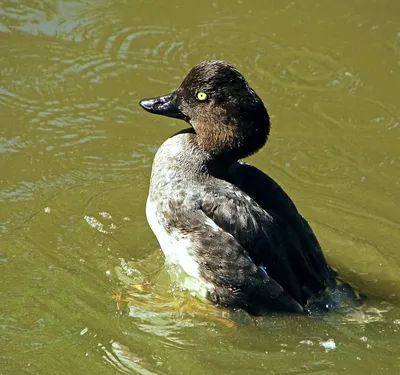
point(179, 249)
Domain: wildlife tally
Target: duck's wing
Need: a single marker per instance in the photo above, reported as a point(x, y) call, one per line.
point(222, 261)
point(273, 199)
point(269, 241)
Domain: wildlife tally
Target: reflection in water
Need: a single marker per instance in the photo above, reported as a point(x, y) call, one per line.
point(121, 358)
point(157, 308)
point(75, 156)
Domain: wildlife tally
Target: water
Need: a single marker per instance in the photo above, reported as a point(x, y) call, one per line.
point(83, 285)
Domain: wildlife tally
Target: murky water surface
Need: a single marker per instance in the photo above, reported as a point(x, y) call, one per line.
point(83, 284)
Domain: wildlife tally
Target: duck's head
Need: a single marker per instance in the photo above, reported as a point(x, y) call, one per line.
point(228, 118)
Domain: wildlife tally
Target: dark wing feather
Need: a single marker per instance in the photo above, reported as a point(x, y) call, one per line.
point(272, 198)
point(223, 262)
point(269, 241)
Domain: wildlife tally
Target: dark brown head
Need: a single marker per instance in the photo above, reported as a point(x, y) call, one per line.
point(228, 117)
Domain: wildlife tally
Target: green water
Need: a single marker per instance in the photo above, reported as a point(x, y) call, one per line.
point(83, 287)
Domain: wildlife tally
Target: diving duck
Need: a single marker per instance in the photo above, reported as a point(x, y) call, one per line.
point(227, 224)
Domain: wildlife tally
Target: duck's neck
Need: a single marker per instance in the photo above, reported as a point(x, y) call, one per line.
point(227, 145)
point(214, 149)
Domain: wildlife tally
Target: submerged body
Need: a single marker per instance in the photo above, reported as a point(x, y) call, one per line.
point(226, 223)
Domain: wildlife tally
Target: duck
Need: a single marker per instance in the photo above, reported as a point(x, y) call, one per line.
point(227, 224)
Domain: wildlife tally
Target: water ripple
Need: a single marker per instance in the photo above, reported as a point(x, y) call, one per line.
point(12, 100)
point(298, 68)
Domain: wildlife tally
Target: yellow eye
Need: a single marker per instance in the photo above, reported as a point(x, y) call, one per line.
point(201, 96)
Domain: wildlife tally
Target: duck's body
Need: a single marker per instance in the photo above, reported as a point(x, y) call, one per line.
point(226, 223)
